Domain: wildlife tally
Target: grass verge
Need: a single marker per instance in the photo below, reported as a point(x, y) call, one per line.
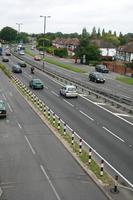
point(59, 64)
point(5, 70)
point(127, 80)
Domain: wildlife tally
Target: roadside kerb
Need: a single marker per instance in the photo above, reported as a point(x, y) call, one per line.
point(73, 137)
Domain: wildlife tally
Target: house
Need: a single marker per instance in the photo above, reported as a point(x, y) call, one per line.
point(125, 52)
point(107, 48)
point(69, 43)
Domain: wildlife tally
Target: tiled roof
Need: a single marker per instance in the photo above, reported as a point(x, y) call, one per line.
point(127, 48)
point(68, 41)
point(100, 43)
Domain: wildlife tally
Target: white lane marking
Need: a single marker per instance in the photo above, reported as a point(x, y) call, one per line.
point(4, 96)
point(19, 125)
point(121, 114)
point(68, 102)
point(9, 107)
point(108, 111)
point(103, 104)
point(86, 115)
point(52, 186)
point(10, 93)
point(46, 87)
point(30, 145)
point(55, 93)
point(113, 134)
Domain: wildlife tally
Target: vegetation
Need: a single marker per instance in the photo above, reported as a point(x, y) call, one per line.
point(126, 80)
point(55, 62)
point(86, 51)
point(10, 35)
point(61, 52)
point(5, 70)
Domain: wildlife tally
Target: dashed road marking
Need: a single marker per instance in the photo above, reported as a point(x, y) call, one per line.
point(113, 134)
point(86, 115)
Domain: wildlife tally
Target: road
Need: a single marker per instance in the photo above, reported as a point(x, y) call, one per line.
point(105, 129)
point(34, 163)
point(111, 86)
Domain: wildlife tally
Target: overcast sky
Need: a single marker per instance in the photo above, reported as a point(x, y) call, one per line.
point(67, 16)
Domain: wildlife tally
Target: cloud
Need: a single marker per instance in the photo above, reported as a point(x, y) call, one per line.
point(67, 15)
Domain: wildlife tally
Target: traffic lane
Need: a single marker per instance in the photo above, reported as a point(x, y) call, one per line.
point(57, 156)
point(110, 147)
point(21, 177)
point(19, 171)
point(110, 85)
point(107, 119)
point(69, 180)
point(112, 121)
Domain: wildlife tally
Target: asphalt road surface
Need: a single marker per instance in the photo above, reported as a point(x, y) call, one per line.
point(107, 130)
point(33, 163)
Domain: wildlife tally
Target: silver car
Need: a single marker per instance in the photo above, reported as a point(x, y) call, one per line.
point(69, 91)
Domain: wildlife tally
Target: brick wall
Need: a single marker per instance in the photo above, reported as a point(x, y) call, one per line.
point(118, 67)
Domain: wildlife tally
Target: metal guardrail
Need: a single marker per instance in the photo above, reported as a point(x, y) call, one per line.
point(114, 100)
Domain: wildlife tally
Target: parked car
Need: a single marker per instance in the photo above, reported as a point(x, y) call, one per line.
point(22, 64)
point(36, 84)
point(69, 91)
point(37, 58)
point(96, 77)
point(3, 111)
point(16, 69)
point(102, 68)
point(5, 59)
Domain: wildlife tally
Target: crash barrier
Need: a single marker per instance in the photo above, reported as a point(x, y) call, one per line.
point(120, 102)
point(71, 136)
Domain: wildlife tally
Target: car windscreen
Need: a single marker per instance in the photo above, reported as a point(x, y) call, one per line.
point(2, 105)
point(72, 89)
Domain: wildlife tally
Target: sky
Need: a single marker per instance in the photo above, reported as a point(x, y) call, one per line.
point(67, 16)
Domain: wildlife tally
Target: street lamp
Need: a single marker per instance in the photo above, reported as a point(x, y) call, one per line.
point(19, 24)
point(44, 31)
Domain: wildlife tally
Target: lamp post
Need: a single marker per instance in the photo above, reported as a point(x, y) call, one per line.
point(44, 31)
point(19, 24)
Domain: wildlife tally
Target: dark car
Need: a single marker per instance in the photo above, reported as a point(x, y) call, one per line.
point(16, 69)
point(5, 59)
point(36, 84)
point(102, 68)
point(2, 109)
point(96, 77)
point(22, 64)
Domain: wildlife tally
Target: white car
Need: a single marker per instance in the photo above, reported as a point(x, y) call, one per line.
point(69, 91)
point(21, 52)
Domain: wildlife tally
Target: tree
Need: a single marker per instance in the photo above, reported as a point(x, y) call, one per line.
point(8, 34)
point(99, 33)
point(47, 43)
point(103, 33)
point(94, 33)
point(90, 52)
point(22, 37)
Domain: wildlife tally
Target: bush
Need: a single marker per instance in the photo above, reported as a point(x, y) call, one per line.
point(61, 52)
point(50, 50)
point(93, 62)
